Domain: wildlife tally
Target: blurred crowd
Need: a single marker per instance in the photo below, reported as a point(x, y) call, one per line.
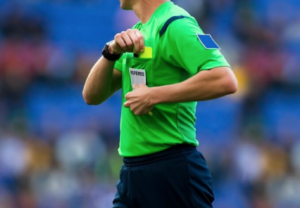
point(56, 152)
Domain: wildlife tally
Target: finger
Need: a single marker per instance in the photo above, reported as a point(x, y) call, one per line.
point(128, 42)
point(128, 96)
point(135, 40)
point(127, 104)
point(132, 109)
point(137, 112)
point(141, 112)
point(141, 39)
point(119, 40)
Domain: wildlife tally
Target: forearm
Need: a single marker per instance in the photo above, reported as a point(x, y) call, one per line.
point(205, 85)
point(99, 81)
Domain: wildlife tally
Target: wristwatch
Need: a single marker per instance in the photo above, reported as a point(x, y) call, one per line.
point(106, 54)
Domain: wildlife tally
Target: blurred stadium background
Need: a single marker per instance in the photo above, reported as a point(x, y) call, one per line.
point(56, 152)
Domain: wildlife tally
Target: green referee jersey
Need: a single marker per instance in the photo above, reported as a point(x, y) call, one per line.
point(176, 55)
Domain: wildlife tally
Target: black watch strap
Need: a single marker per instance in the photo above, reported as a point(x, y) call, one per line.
point(109, 56)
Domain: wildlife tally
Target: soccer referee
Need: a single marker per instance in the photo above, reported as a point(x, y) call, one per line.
point(164, 65)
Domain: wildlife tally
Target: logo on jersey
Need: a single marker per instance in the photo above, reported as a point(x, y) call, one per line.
point(208, 42)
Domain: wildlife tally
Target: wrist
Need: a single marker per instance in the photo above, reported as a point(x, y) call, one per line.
point(155, 95)
point(107, 53)
point(111, 50)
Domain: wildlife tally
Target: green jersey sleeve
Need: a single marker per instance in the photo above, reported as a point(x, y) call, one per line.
point(182, 47)
point(118, 64)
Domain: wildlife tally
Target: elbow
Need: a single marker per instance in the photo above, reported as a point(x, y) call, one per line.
point(232, 86)
point(231, 83)
point(90, 100)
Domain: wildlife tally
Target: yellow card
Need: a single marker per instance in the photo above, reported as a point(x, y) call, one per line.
point(147, 53)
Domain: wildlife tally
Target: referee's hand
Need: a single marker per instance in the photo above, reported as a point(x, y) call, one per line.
point(127, 41)
point(139, 100)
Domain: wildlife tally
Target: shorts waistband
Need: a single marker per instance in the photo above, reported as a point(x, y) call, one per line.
point(168, 153)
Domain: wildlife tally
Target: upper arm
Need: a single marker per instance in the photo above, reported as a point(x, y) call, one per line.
point(116, 83)
point(184, 49)
point(224, 76)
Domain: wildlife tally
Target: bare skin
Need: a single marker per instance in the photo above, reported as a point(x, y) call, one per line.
point(104, 80)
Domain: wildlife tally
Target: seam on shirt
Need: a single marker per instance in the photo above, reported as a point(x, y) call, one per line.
point(178, 106)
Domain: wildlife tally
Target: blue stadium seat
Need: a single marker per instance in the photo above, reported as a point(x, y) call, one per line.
point(63, 108)
point(281, 114)
point(216, 120)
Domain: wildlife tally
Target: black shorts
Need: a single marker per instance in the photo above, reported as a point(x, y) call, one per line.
point(175, 178)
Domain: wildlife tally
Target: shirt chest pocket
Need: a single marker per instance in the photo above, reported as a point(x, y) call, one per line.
point(138, 71)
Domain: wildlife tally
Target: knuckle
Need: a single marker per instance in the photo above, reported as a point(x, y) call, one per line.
point(130, 43)
point(138, 32)
point(128, 96)
point(135, 39)
point(129, 32)
point(122, 45)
